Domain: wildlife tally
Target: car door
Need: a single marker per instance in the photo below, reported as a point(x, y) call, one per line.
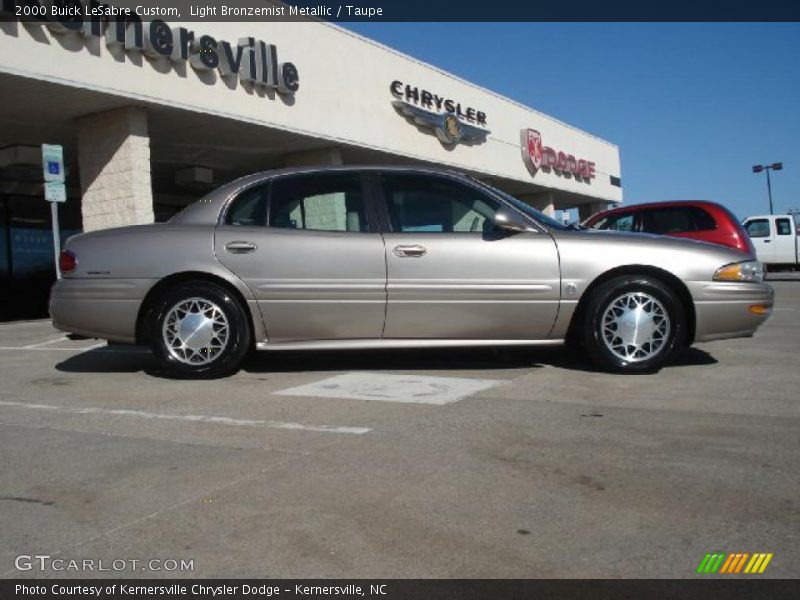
point(452, 275)
point(761, 234)
point(784, 240)
point(308, 248)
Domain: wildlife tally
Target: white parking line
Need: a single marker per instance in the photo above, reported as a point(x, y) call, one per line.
point(103, 345)
point(18, 348)
point(415, 389)
point(216, 420)
point(62, 338)
point(94, 346)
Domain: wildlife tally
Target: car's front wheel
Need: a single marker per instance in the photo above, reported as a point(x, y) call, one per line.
point(199, 330)
point(633, 324)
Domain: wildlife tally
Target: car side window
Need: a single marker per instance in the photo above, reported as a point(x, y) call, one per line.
point(702, 220)
point(783, 226)
point(436, 205)
point(318, 202)
point(249, 208)
point(618, 222)
point(663, 221)
point(757, 228)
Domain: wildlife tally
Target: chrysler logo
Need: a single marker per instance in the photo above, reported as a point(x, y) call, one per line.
point(450, 120)
point(448, 128)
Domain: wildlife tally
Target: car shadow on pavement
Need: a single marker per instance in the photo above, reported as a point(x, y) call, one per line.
point(563, 358)
point(421, 359)
point(112, 359)
point(691, 357)
point(138, 359)
point(121, 359)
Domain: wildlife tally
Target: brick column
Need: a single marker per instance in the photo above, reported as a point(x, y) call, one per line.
point(114, 164)
point(587, 210)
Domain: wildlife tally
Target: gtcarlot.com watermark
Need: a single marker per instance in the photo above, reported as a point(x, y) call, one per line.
point(47, 563)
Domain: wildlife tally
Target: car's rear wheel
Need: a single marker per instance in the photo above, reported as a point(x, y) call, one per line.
point(199, 330)
point(633, 324)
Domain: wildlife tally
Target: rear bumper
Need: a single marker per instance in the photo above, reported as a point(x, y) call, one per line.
point(722, 309)
point(99, 308)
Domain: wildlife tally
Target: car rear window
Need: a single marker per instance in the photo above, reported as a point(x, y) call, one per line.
point(677, 219)
point(702, 220)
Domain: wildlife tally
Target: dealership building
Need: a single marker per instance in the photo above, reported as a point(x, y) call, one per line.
point(153, 114)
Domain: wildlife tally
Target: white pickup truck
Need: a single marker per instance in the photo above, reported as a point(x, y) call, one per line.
point(775, 238)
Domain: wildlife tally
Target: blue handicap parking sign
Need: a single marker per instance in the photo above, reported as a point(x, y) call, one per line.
point(52, 167)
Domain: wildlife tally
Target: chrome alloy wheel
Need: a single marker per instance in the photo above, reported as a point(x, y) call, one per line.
point(635, 327)
point(195, 331)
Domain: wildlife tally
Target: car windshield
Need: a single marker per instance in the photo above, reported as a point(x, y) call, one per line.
point(529, 210)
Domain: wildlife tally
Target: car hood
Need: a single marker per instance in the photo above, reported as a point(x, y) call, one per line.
point(618, 235)
point(586, 252)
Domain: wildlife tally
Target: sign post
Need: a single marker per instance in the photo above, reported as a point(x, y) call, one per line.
point(54, 190)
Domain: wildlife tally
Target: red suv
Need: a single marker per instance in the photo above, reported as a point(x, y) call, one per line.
point(694, 219)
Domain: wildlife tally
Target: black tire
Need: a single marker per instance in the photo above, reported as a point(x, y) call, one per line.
point(604, 315)
point(201, 363)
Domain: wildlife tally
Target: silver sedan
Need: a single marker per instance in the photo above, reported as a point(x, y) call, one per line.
point(391, 257)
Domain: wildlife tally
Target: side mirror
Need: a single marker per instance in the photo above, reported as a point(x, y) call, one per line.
point(507, 221)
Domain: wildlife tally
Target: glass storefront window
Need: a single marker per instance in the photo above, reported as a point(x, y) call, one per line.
point(26, 252)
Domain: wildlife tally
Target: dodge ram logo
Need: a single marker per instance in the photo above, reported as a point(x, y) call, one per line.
point(538, 156)
point(532, 143)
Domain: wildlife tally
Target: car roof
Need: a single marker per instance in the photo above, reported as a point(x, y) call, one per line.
point(338, 168)
point(785, 216)
point(660, 204)
point(207, 209)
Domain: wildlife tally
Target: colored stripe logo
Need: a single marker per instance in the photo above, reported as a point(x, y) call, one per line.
point(734, 563)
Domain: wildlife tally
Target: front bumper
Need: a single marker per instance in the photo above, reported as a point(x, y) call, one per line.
point(98, 308)
point(722, 308)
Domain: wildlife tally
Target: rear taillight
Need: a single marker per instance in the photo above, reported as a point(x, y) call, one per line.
point(67, 261)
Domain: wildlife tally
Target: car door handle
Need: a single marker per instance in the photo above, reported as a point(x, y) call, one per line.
point(410, 251)
point(240, 247)
point(767, 241)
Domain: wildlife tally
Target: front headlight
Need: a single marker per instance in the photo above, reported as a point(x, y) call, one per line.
point(748, 270)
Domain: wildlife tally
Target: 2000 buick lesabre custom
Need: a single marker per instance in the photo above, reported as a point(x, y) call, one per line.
point(391, 257)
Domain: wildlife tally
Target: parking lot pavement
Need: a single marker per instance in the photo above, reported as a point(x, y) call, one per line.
point(467, 463)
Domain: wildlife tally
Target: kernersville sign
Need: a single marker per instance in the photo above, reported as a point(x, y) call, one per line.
point(254, 62)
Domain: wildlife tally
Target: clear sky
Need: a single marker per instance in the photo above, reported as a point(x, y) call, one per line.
point(692, 107)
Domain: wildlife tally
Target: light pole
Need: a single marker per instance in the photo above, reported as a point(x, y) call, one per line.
point(768, 168)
